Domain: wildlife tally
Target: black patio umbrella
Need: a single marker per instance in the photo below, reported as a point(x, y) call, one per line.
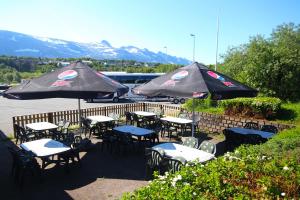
point(76, 80)
point(195, 81)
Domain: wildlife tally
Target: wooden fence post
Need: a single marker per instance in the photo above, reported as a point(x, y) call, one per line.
point(50, 117)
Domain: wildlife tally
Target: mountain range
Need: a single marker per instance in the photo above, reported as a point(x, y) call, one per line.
point(19, 44)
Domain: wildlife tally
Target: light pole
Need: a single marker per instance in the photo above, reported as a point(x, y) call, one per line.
point(217, 44)
point(166, 57)
point(193, 35)
point(166, 48)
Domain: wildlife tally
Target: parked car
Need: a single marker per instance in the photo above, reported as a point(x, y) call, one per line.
point(177, 100)
point(114, 97)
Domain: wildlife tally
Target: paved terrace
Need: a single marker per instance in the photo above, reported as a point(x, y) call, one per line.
point(102, 175)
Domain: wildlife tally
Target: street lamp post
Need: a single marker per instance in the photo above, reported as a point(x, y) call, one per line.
point(193, 35)
point(217, 44)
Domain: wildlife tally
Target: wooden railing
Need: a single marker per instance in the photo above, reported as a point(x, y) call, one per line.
point(207, 122)
point(72, 115)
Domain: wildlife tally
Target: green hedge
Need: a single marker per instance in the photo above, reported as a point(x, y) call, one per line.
point(259, 107)
point(267, 171)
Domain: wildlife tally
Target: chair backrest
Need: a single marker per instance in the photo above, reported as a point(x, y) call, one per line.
point(183, 115)
point(208, 147)
point(128, 116)
point(60, 124)
point(174, 164)
point(252, 125)
point(156, 157)
point(65, 128)
point(190, 142)
point(151, 109)
point(269, 128)
point(135, 117)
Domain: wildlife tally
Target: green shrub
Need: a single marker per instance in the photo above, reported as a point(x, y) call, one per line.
point(259, 107)
point(203, 105)
point(267, 171)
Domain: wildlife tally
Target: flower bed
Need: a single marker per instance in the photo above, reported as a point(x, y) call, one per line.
point(266, 171)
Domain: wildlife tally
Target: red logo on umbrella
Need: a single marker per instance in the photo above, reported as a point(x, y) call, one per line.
point(169, 83)
point(180, 75)
point(66, 75)
point(60, 83)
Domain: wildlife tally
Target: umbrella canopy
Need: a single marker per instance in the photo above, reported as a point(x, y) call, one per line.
point(197, 81)
point(76, 80)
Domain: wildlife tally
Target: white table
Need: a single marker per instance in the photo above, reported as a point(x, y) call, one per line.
point(44, 148)
point(100, 118)
point(246, 131)
point(180, 121)
point(190, 154)
point(145, 114)
point(41, 126)
point(177, 120)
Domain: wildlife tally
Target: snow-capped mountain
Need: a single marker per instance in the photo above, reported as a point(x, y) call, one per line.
point(18, 44)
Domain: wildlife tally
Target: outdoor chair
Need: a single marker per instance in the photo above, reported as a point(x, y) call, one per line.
point(233, 140)
point(208, 147)
point(23, 135)
point(129, 118)
point(151, 110)
point(183, 115)
point(23, 162)
point(253, 139)
point(88, 127)
point(125, 141)
point(156, 127)
point(77, 145)
point(174, 164)
point(252, 125)
point(115, 116)
point(140, 122)
point(190, 142)
point(155, 161)
point(60, 124)
point(167, 127)
point(269, 128)
point(109, 140)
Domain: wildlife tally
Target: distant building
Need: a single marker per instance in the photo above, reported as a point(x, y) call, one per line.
point(62, 64)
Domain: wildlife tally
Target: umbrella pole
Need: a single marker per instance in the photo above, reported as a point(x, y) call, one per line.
point(79, 113)
point(193, 123)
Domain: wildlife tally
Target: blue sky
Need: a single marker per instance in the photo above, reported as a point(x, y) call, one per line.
point(151, 24)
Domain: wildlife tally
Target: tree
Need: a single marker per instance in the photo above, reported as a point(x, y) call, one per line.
point(271, 65)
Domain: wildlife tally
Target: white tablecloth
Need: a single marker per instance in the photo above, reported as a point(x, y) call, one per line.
point(45, 147)
point(145, 114)
point(188, 153)
point(100, 118)
point(177, 120)
point(41, 126)
point(246, 131)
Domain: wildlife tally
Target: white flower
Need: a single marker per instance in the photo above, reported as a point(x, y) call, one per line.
point(149, 181)
point(185, 183)
point(161, 177)
point(194, 193)
point(179, 177)
point(285, 168)
point(173, 183)
point(283, 194)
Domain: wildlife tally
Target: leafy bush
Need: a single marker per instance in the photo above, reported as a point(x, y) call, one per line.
point(259, 107)
point(267, 171)
point(203, 105)
point(269, 64)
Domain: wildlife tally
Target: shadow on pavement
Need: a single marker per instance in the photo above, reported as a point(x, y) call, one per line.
point(101, 176)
